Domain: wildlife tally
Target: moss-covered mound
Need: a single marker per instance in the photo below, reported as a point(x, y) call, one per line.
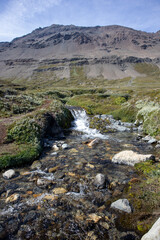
point(27, 134)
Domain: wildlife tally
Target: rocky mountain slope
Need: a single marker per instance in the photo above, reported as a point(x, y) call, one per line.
point(108, 51)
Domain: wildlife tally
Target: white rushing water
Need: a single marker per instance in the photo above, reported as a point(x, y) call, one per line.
point(81, 124)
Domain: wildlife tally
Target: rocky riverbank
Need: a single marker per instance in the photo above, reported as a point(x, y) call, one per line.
point(69, 192)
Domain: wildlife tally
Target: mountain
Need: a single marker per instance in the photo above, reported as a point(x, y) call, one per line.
point(107, 51)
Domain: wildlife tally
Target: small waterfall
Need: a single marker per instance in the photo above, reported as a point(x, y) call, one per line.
point(81, 124)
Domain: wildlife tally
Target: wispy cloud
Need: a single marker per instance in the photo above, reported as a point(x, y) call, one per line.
point(19, 15)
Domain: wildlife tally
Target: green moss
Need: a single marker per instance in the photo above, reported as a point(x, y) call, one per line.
point(26, 154)
point(25, 130)
point(143, 228)
point(125, 113)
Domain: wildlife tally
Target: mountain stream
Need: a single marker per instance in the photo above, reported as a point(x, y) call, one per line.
point(57, 198)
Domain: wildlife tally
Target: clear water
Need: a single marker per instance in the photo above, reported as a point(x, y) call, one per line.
point(81, 124)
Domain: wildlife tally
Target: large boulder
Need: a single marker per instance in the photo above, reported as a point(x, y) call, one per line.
point(122, 204)
point(131, 158)
point(154, 232)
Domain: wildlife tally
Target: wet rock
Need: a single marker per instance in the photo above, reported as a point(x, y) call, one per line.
point(122, 204)
point(53, 153)
point(13, 198)
point(64, 146)
point(50, 197)
point(105, 225)
point(149, 139)
point(131, 158)
point(59, 191)
point(94, 142)
point(154, 232)
point(53, 169)
point(36, 165)
point(73, 150)
point(90, 166)
point(94, 217)
point(43, 182)
point(157, 146)
point(152, 141)
point(100, 180)
point(9, 174)
point(55, 147)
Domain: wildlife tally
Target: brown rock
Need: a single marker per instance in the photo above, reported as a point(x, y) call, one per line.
point(52, 170)
point(94, 217)
point(59, 190)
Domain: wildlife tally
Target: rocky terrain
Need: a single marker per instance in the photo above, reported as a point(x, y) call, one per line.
point(108, 52)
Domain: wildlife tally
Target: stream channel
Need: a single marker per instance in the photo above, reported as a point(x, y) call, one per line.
point(56, 197)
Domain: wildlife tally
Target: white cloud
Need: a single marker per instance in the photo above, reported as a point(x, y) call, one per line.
point(17, 18)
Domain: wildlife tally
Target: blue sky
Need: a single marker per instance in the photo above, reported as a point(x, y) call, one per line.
point(19, 17)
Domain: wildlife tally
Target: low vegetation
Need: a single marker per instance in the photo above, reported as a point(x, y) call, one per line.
point(27, 107)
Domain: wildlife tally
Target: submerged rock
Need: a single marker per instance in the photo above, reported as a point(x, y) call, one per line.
point(13, 198)
point(9, 174)
point(153, 233)
point(100, 180)
point(59, 191)
point(123, 205)
point(131, 158)
point(94, 217)
point(149, 139)
point(93, 142)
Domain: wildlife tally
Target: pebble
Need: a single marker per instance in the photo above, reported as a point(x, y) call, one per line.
point(64, 146)
point(43, 182)
point(9, 174)
point(53, 169)
point(50, 197)
point(13, 198)
point(53, 153)
point(100, 180)
point(93, 142)
point(94, 217)
point(55, 147)
point(122, 204)
point(59, 190)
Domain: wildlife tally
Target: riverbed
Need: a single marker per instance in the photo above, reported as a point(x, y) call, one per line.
point(57, 197)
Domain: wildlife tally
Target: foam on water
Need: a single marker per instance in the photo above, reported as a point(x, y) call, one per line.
point(81, 124)
point(44, 175)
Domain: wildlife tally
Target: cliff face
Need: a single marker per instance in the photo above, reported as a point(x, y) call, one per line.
point(108, 51)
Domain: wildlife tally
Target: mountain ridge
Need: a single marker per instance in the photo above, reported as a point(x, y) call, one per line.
point(115, 45)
